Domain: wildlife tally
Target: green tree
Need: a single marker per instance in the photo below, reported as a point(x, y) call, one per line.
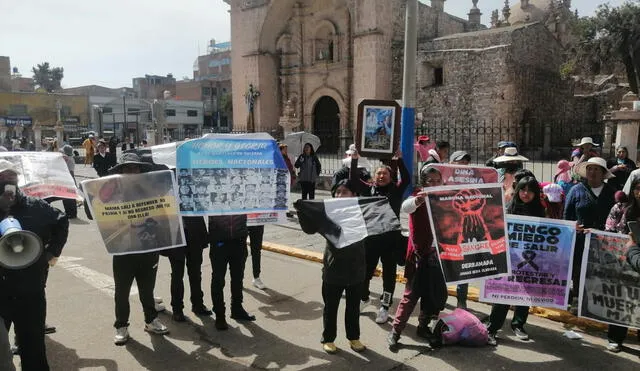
point(48, 78)
point(609, 39)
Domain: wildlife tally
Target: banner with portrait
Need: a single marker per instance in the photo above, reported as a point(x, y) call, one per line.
point(541, 253)
point(43, 174)
point(470, 233)
point(463, 174)
point(136, 213)
point(227, 174)
point(609, 287)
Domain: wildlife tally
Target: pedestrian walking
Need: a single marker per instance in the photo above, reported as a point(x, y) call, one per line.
point(102, 162)
point(310, 169)
point(89, 145)
point(256, 233)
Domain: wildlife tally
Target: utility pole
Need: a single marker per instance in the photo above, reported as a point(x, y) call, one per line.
point(409, 90)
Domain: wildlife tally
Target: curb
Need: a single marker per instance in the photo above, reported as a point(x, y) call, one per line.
point(556, 315)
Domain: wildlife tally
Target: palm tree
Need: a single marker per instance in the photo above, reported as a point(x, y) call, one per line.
point(48, 78)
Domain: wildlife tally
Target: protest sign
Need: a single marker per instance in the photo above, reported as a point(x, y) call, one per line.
point(463, 174)
point(136, 213)
point(541, 253)
point(43, 174)
point(609, 287)
point(469, 229)
point(223, 174)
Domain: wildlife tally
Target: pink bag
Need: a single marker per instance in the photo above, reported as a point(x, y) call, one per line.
point(461, 327)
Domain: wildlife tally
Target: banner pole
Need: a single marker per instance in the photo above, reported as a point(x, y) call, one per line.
point(409, 90)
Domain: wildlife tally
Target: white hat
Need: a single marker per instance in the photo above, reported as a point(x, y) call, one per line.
point(510, 155)
point(553, 192)
point(7, 166)
point(352, 149)
point(586, 140)
point(581, 168)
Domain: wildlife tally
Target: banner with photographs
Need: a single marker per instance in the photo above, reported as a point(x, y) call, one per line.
point(43, 174)
point(469, 230)
point(136, 213)
point(609, 287)
point(462, 174)
point(232, 174)
point(541, 253)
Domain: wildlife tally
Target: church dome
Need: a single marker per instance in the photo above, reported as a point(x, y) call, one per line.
point(535, 11)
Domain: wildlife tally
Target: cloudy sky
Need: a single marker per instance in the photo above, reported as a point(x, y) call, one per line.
point(107, 42)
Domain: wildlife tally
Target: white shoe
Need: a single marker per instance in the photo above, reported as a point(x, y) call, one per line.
point(122, 336)
point(364, 304)
point(156, 327)
point(157, 300)
point(383, 316)
point(159, 307)
point(257, 282)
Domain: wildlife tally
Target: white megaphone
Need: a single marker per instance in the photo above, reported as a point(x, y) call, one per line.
point(18, 249)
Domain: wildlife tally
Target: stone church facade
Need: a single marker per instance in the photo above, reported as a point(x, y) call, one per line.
point(312, 61)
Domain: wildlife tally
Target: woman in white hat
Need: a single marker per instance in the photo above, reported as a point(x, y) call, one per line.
point(508, 164)
point(584, 151)
point(588, 203)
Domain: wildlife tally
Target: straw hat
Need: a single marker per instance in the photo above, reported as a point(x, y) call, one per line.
point(581, 168)
point(510, 155)
point(586, 140)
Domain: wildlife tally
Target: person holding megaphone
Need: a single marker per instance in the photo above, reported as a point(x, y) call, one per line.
point(33, 235)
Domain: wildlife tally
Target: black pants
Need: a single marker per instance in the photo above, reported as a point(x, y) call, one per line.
point(255, 241)
point(231, 253)
point(192, 256)
point(70, 208)
point(331, 295)
point(499, 315)
point(617, 334)
point(381, 247)
point(577, 266)
point(27, 313)
point(142, 268)
point(308, 190)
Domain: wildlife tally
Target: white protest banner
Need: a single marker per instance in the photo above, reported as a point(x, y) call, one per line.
point(136, 213)
point(609, 287)
point(43, 174)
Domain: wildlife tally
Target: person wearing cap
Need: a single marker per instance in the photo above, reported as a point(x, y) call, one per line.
point(142, 267)
point(89, 146)
point(460, 158)
point(584, 151)
point(22, 290)
point(621, 166)
point(502, 145)
point(102, 162)
point(588, 203)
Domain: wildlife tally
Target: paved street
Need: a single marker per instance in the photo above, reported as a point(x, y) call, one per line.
point(288, 327)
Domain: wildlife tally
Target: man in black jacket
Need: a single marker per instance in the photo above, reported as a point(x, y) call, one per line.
point(22, 295)
point(101, 161)
point(228, 247)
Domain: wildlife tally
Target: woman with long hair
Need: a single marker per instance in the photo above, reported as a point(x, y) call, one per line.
point(310, 168)
point(621, 166)
point(526, 201)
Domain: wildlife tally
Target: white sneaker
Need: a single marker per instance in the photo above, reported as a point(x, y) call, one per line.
point(160, 307)
point(122, 336)
point(156, 327)
point(157, 299)
point(383, 316)
point(364, 304)
point(257, 282)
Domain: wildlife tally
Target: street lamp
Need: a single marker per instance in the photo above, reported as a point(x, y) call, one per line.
point(124, 113)
point(98, 109)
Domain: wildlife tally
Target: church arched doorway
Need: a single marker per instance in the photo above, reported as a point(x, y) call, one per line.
point(326, 124)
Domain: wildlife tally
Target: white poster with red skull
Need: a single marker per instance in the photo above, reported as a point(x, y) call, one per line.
point(469, 231)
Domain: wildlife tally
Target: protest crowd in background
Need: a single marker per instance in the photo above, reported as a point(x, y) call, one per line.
point(525, 241)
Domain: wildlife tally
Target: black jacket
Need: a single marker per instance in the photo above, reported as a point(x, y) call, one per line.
point(52, 226)
point(633, 257)
point(393, 191)
point(227, 227)
point(346, 266)
point(102, 164)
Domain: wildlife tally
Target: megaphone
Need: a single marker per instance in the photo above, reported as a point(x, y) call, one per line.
point(18, 249)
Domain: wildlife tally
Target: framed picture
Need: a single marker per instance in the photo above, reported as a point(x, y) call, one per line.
point(378, 128)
